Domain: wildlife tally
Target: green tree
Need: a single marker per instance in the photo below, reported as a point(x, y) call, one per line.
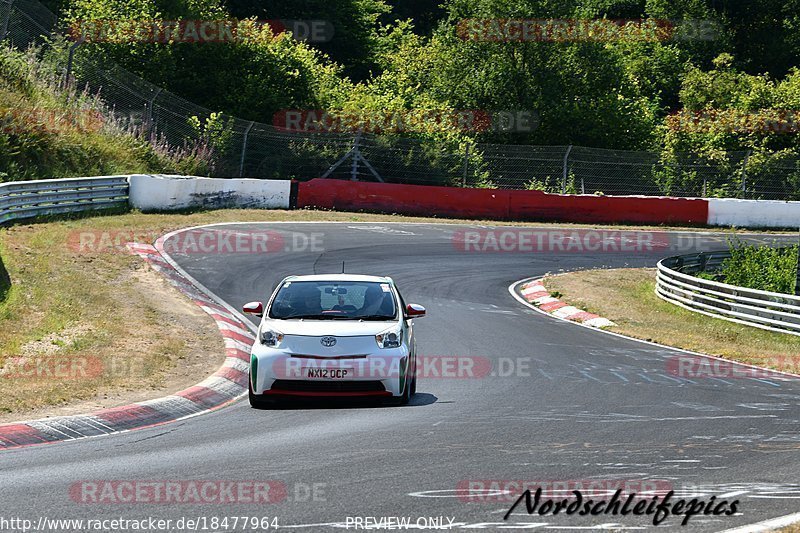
point(251, 78)
point(354, 25)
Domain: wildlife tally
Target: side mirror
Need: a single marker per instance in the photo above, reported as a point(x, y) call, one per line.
point(254, 308)
point(414, 311)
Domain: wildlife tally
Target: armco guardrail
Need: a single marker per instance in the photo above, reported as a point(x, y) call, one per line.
point(767, 310)
point(28, 199)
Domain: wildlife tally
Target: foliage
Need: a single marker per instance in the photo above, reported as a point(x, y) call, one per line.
point(761, 267)
point(354, 25)
point(216, 132)
point(47, 131)
point(708, 84)
point(252, 77)
point(727, 110)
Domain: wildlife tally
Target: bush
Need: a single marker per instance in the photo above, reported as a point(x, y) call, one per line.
point(761, 267)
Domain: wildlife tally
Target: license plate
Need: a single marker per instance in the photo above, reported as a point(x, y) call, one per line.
point(327, 373)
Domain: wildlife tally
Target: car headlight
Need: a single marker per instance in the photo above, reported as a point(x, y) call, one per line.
point(391, 338)
point(270, 337)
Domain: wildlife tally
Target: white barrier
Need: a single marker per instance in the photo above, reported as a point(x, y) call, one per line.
point(162, 192)
point(753, 213)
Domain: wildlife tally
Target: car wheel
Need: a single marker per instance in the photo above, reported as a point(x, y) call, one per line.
point(256, 401)
point(406, 397)
point(414, 380)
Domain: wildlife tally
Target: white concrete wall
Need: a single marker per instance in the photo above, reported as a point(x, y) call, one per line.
point(162, 192)
point(753, 213)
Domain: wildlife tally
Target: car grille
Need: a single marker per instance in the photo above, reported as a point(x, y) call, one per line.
point(327, 386)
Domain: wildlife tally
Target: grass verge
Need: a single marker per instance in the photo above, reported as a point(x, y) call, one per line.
point(627, 297)
point(49, 131)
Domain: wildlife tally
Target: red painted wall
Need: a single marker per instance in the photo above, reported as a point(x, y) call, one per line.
point(500, 204)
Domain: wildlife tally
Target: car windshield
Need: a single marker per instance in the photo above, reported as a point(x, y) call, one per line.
point(334, 300)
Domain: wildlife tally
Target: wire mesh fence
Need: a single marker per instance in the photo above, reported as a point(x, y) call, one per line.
point(251, 149)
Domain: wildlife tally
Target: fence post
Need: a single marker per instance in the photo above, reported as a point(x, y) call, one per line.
point(564, 178)
point(4, 27)
point(356, 154)
point(466, 163)
point(148, 119)
point(244, 148)
point(744, 172)
point(72, 48)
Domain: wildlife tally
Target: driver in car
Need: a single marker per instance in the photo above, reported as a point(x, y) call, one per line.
point(310, 302)
point(376, 302)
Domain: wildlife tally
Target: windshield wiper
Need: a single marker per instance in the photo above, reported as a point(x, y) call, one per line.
point(376, 317)
point(315, 317)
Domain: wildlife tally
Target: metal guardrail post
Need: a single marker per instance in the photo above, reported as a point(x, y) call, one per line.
point(244, 148)
point(703, 261)
point(564, 178)
point(4, 27)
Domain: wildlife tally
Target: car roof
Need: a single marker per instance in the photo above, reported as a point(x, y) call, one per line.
point(341, 277)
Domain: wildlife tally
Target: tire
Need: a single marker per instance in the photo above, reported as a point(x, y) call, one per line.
point(406, 397)
point(414, 379)
point(256, 401)
point(408, 392)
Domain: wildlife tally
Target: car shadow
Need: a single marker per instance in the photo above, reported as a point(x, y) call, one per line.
point(420, 399)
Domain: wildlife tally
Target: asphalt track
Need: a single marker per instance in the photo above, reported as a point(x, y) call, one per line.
point(586, 406)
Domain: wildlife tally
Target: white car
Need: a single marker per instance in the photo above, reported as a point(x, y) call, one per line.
point(331, 336)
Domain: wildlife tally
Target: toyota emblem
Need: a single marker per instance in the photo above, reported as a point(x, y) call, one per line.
point(328, 341)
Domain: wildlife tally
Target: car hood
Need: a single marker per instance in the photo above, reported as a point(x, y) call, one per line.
point(336, 328)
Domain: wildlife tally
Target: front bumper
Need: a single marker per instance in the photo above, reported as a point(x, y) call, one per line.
point(278, 373)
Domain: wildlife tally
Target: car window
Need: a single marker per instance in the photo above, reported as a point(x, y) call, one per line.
point(334, 300)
